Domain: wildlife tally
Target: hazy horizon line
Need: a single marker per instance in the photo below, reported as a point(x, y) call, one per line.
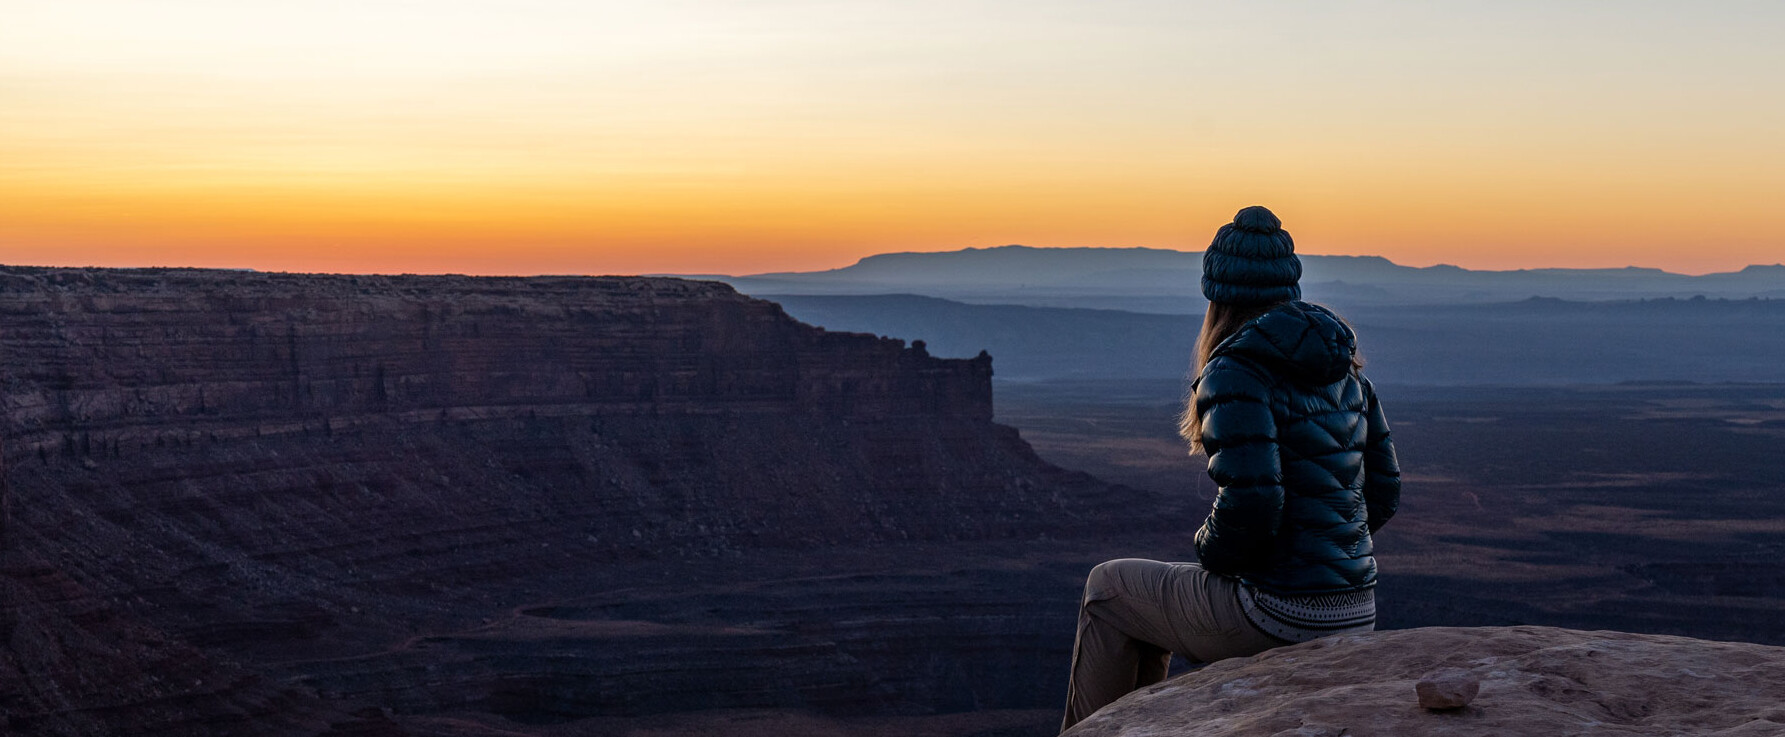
point(856, 262)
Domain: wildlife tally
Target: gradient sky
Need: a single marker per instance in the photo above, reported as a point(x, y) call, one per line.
point(699, 136)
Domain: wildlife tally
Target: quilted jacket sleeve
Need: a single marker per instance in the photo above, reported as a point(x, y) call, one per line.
point(1239, 432)
point(1382, 474)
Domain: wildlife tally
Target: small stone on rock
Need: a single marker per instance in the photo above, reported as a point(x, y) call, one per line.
point(1450, 689)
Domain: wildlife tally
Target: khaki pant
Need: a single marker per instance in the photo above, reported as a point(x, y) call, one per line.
point(1136, 613)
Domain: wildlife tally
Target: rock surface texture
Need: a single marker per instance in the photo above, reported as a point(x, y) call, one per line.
point(237, 494)
point(1534, 681)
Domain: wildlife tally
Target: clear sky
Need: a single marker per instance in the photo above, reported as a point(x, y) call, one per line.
point(701, 136)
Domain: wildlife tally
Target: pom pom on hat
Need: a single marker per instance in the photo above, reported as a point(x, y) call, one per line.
point(1251, 261)
point(1257, 219)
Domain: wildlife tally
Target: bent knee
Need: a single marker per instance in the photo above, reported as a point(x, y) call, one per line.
point(1105, 579)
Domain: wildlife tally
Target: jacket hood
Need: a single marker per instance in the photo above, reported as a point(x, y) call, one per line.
point(1306, 342)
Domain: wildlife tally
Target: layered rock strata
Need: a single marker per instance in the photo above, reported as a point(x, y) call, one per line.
point(298, 473)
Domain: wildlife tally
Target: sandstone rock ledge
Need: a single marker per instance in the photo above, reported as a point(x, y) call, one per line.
point(1534, 681)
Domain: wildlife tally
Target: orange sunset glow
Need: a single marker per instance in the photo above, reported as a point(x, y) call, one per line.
point(700, 136)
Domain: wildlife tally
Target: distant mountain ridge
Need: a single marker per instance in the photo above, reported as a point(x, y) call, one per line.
point(1167, 281)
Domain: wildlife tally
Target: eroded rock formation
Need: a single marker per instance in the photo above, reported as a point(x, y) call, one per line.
point(352, 486)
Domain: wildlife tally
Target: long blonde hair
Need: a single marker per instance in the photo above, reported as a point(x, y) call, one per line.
point(1218, 324)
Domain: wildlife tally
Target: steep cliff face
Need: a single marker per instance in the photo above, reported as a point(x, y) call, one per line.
point(299, 471)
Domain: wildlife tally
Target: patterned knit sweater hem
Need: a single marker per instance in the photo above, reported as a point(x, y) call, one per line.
point(1303, 618)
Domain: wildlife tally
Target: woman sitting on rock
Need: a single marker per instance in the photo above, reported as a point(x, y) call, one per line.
point(1304, 474)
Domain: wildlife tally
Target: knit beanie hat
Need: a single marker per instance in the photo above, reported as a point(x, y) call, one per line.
point(1251, 262)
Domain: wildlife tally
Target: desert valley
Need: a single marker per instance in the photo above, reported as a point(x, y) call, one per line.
point(288, 504)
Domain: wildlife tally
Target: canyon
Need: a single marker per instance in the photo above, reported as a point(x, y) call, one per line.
point(239, 503)
point(455, 505)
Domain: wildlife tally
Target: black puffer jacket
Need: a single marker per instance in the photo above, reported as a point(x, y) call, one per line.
point(1300, 454)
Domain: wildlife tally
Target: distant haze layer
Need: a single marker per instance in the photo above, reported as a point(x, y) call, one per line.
point(1533, 342)
point(550, 136)
point(1113, 313)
